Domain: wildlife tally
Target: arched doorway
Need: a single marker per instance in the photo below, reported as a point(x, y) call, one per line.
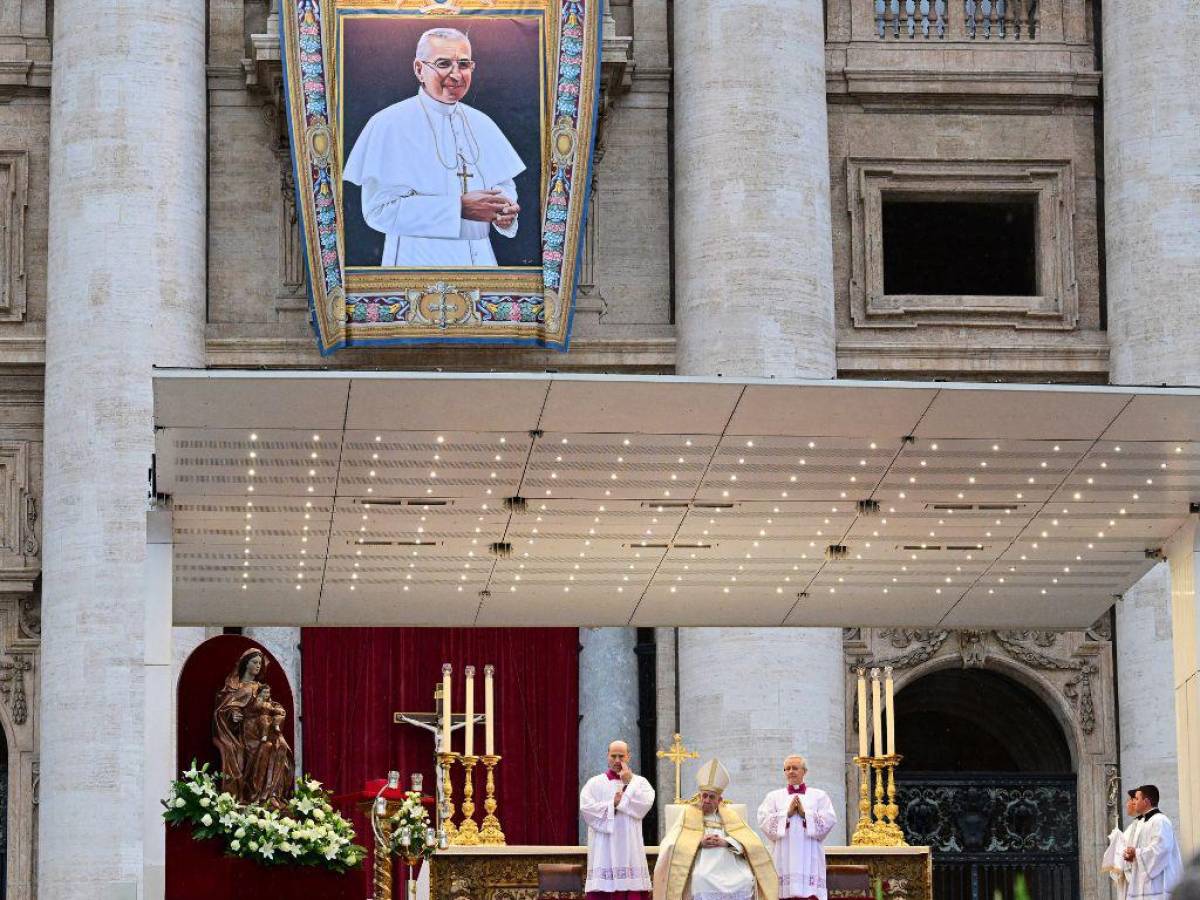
point(988, 783)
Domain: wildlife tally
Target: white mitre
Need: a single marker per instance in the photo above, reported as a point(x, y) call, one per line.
point(713, 776)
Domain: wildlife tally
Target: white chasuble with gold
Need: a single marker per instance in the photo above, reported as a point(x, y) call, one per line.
point(616, 853)
point(718, 873)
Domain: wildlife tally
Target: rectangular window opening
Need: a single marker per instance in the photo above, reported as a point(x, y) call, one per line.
point(977, 246)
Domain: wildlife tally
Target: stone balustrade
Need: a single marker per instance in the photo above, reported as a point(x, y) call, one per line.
point(979, 19)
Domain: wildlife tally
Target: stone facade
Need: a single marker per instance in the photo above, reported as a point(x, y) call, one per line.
point(788, 294)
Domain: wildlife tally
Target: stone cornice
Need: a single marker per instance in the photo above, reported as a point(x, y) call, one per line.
point(23, 76)
point(651, 355)
point(1084, 361)
point(870, 77)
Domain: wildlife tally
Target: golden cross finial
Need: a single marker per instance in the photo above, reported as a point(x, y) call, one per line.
point(677, 754)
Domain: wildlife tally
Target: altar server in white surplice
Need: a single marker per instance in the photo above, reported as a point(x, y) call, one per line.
point(1153, 865)
point(613, 805)
point(795, 820)
point(437, 176)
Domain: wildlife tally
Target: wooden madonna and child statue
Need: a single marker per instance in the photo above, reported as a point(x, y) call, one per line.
point(257, 765)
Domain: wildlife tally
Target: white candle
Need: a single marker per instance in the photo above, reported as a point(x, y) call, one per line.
point(877, 712)
point(469, 749)
point(890, 695)
point(489, 727)
point(862, 713)
point(446, 669)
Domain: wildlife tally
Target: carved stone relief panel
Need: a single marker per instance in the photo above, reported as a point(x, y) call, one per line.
point(20, 541)
point(14, 201)
point(1047, 184)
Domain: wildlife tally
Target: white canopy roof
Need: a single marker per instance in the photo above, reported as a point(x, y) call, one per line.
point(381, 499)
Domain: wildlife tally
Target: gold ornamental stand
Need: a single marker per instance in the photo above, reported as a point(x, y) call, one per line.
point(864, 831)
point(467, 834)
point(490, 833)
point(381, 850)
point(446, 815)
point(877, 823)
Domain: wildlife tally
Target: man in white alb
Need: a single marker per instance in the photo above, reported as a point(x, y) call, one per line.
point(795, 821)
point(437, 176)
point(1153, 865)
point(613, 805)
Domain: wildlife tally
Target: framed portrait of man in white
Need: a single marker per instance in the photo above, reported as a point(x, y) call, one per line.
point(442, 152)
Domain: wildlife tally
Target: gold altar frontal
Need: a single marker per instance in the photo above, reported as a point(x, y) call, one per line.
point(511, 873)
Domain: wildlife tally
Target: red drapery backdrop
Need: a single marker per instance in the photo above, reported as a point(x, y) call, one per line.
point(354, 679)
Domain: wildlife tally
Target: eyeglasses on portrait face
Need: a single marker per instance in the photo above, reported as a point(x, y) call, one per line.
point(445, 66)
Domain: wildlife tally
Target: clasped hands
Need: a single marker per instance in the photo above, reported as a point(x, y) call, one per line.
point(490, 206)
point(1130, 854)
point(796, 808)
point(713, 840)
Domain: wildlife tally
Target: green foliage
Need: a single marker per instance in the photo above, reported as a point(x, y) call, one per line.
point(305, 832)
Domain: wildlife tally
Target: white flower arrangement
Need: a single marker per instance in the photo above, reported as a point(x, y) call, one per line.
point(413, 836)
point(305, 832)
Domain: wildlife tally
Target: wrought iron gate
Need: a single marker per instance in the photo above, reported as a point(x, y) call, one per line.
point(986, 828)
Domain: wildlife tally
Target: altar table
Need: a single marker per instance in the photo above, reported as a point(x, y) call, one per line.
point(511, 873)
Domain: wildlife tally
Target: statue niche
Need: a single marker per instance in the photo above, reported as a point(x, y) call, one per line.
point(257, 765)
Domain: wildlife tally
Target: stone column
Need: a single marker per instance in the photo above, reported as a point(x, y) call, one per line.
point(754, 296)
point(1183, 554)
point(753, 243)
point(1152, 191)
point(608, 701)
point(1145, 689)
point(126, 292)
point(751, 696)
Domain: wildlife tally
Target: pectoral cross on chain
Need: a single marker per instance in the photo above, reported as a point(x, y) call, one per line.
point(677, 754)
point(462, 172)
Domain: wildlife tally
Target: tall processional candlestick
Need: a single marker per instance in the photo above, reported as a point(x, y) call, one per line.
point(877, 825)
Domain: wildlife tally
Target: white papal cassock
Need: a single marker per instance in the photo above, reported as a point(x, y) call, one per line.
point(407, 161)
point(1157, 866)
point(796, 843)
point(616, 852)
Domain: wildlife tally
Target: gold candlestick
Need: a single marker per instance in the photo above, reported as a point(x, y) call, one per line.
point(864, 831)
point(383, 860)
point(446, 760)
point(490, 833)
point(468, 831)
point(877, 763)
point(892, 831)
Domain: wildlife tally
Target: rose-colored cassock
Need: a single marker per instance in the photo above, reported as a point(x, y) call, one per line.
point(616, 868)
point(796, 843)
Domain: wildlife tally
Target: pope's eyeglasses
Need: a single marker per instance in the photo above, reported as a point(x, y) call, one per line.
point(444, 66)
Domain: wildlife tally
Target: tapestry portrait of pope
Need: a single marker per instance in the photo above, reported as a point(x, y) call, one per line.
point(442, 134)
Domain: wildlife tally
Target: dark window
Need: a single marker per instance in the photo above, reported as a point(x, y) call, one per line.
point(975, 247)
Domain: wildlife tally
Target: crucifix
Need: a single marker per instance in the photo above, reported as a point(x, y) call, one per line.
point(677, 754)
point(462, 173)
point(431, 722)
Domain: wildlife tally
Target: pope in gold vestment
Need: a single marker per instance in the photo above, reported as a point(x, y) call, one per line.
point(710, 853)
